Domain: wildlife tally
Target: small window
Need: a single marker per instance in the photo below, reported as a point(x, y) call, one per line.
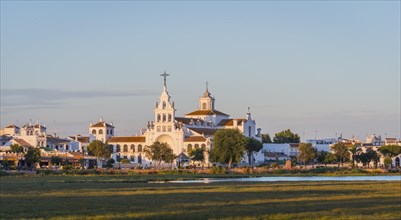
point(118, 148)
point(169, 118)
point(203, 146)
point(189, 147)
point(94, 131)
point(158, 118)
point(100, 131)
point(196, 146)
point(107, 131)
point(164, 128)
point(111, 131)
point(169, 128)
point(204, 106)
point(132, 148)
point(140, 158)
point(158, 128)
point(164, 118)
point(125, 148)
point(139, 148)
point(164, 105)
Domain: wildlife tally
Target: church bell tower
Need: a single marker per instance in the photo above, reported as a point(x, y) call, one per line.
point(165, 110)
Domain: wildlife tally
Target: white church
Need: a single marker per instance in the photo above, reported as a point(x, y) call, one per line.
point(194, 130)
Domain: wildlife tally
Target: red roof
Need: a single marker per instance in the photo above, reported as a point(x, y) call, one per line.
point(101, 125)
point(204, 131)
point(22, 142)
point(207, 112)
point(230, 122)
point(195, 139)
point(81, 139)
point(12, 126)
point(138, 139)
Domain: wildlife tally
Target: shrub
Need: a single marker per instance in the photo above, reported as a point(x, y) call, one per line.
point(68, 167)
point(218, 170)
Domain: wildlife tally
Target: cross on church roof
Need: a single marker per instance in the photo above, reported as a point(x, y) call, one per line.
point(165, 77)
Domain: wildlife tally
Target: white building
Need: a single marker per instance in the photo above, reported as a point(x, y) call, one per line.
point(322, 144)
point(195, 130)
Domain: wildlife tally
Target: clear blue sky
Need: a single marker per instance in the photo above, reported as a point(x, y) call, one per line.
point(331, 67)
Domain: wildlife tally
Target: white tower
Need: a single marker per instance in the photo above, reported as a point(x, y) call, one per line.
point(164, 111)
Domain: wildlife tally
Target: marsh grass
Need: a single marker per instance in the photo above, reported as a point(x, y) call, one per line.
point(125, 197)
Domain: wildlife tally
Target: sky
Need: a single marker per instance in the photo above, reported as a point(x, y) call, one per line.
point(319, 68)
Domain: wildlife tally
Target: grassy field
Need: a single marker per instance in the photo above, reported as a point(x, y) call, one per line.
point(122, 197)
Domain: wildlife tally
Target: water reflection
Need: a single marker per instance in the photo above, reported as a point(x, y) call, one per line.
point(293, 179)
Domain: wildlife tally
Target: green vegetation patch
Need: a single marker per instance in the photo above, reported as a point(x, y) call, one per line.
point(126, 197)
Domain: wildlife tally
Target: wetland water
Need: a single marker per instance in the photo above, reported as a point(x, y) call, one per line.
point(292, 179)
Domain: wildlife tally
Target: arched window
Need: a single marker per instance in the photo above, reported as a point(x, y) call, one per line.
point(132, 148)
point(189, 147)
point(196, 146)
point(118, 148)
point(164, 105)
point(100, 131)
point(27, 133)
point(139, 148)
point(125, 148)
point(203, 146)
point(164, 117)
point(169, 118)
point(94, 131)
point(31, 132)
point(158, 118)
point(204, 106)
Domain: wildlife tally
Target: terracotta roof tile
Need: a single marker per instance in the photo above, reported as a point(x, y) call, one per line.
point(101, 125)
point(206, 112)
point(22, 142)
point(12, 126)
point(81, 139)
point(138, 139)
point(195, 139)
point(204, 131)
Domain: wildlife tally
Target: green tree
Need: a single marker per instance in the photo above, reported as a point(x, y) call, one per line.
point(307, 153)
point(110, 162)
point(32, 156)
point(341, 151)
point(330, 158)
point(197, 155)
point(390, 150)
point(160, 152)
point(388, 162)
point(266, 138)
point(100, 150)
point(252, 145)
point(55, 160)
point(362, 157)
point(352, 150)
point(321, 155)
point(229, 146)
point(17, 149)
point(286, 136)
point(373, 156)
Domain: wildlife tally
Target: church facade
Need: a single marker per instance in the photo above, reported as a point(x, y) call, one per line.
point(194, 130)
